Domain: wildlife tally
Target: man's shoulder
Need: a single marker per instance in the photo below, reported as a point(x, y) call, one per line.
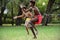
point(36, 7)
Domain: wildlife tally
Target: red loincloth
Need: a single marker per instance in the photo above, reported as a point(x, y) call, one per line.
point(39, 19)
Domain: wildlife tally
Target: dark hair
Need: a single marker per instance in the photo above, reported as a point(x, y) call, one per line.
point(24, 8)
point(33, 2)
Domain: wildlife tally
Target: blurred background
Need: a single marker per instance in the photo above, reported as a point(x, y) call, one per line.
point(50, 10)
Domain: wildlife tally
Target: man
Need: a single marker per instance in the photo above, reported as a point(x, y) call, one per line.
point(28, 16)
point(36, 12)
point(37, 19)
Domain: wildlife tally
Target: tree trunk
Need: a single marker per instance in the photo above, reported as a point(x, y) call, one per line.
point(48, 10)
point(19, 20)
point(12, 22)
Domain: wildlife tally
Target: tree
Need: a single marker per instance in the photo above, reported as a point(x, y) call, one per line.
point(19, 20)
point(3, 6)
point(0, 13)
point(2, 10)
point(48, 11)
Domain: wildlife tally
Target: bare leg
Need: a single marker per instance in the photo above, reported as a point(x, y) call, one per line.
point(34, 27)
point(26, 25)
point(33, 32)
point(27, 30)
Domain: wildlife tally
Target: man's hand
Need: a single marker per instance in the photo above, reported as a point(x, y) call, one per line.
point(15, 17)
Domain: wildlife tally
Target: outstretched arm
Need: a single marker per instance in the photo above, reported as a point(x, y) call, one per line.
point(19, 16)
point(28, 9)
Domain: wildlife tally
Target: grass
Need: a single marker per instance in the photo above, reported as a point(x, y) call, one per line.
point(51, 32)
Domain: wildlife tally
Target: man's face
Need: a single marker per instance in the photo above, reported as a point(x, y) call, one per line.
point(24, 9)
point(30, 4)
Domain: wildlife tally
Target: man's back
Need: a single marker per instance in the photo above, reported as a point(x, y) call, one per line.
point(28, 14)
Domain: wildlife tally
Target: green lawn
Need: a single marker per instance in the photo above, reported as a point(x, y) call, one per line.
point(51, 32)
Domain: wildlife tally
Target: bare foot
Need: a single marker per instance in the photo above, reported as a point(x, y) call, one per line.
point(34, 37)
point(28, 33)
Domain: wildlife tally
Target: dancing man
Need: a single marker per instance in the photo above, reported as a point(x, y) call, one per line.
point(28, 15)
point(37, 19)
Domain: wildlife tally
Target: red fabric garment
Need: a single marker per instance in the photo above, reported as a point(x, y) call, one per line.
point(39, 19)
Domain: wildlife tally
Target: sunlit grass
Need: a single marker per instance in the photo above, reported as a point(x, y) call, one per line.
point(50, 32)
